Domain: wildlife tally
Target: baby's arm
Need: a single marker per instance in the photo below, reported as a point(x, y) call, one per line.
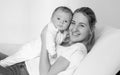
point(50, 43)
point(61, 37)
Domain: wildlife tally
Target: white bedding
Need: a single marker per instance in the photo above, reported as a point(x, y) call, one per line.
point(104, 58)
point(9, 49)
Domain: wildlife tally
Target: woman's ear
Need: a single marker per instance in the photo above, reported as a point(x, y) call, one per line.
point(91, 38)
point(92, 33)
point(92, 29)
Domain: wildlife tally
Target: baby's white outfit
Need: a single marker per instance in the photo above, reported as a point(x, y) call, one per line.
point(53, 37)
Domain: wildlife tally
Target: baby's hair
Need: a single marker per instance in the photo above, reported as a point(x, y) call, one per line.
point(64, 9)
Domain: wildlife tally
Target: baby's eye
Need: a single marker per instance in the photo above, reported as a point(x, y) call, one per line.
point(66, 21)
point(58, 18)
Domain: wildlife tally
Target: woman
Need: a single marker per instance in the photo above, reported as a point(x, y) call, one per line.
point(81, 30)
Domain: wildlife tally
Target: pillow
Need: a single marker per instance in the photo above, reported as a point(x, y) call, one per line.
point(104, 57)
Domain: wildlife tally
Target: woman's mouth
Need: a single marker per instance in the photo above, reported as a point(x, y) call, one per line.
point(75, 33)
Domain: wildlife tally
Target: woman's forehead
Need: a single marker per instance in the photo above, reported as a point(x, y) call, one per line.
point(80, 17)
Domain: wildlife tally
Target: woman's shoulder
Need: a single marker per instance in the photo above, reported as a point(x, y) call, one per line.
point(78, 45)
point(75, 45)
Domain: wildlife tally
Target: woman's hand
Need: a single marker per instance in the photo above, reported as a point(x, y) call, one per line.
point(43, 36)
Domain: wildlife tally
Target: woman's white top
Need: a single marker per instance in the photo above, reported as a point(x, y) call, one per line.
point(74, 54)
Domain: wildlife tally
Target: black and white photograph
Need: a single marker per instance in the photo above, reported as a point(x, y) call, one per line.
point(59, 37)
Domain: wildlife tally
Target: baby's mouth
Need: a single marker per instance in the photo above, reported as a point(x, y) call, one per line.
point(60, 26)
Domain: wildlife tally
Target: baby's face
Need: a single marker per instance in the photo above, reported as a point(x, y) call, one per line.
point(61, 19)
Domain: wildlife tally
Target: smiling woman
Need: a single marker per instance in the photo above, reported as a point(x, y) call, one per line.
point(69, 56)
point(81, 34)
point(82, 26)
point(79, 28)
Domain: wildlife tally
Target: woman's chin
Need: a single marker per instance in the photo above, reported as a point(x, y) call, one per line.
point(74, 40)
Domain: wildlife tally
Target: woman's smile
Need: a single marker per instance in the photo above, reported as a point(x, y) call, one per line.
point(76, 33)
point(79, 28)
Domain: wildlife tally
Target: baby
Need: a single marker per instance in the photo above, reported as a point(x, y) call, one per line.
point(57, 29)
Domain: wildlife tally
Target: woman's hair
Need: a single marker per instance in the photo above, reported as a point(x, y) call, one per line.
point(88, 12)
point(64, 9)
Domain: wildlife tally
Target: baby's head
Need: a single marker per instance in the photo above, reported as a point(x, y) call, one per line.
point(61, 17)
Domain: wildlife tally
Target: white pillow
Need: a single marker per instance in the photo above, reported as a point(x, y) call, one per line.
point(104, 58)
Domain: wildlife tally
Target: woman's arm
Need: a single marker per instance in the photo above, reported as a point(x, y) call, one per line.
point(44, 60)
point(45, 67)
point(60, 65)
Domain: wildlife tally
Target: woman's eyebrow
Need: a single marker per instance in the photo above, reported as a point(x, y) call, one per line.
point(82, 23)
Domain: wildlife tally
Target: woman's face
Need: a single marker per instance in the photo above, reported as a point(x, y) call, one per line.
point(79, 28)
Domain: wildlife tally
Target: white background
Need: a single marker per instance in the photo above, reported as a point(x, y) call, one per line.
point(22, 20)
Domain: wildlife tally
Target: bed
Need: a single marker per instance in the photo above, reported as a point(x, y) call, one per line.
point(103, 59)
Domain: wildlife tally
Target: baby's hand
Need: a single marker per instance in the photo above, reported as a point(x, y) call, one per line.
point(54, 56)
point(66, 34)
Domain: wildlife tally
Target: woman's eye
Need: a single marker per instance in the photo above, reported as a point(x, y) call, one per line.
point(73, 23)
point(58, 18)
point(82, 25)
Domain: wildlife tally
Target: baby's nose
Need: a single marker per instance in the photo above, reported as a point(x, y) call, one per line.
point(62, 22)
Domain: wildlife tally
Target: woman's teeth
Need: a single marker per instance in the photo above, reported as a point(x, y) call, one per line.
point(75, 34)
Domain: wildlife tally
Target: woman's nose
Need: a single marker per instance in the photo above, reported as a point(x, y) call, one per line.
point(74, 28)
